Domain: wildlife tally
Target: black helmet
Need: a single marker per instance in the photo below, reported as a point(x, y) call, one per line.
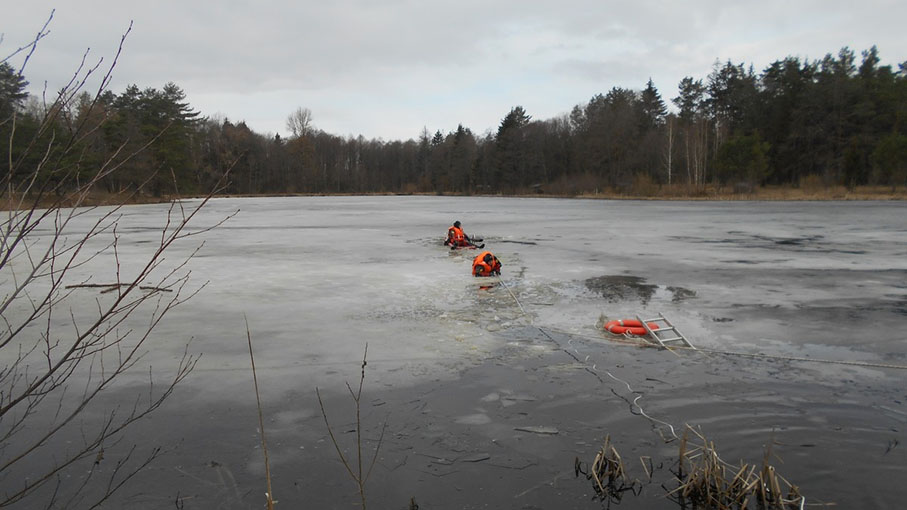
point(488, 257)
point(457, 224)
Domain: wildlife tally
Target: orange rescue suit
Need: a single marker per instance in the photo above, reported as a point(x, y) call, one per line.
point(456, 237)
point(482, 268)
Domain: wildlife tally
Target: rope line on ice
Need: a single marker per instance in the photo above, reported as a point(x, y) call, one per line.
point(593, 369)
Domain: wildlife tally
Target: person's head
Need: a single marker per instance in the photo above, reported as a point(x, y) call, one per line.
point(457, 224)
point(488, 258)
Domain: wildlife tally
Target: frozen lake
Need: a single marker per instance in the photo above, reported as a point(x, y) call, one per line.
point(456, 369)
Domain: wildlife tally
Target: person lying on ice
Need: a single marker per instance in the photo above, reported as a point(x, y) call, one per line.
point(456, 238)
point(486, 264)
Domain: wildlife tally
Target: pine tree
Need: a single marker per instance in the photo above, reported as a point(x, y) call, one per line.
point(653, 107)
point(12, 91)
point(510, 150)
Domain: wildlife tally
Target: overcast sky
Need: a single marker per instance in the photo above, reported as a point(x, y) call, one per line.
point(386, 69)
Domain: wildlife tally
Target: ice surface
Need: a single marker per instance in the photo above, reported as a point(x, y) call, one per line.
point(318, 278)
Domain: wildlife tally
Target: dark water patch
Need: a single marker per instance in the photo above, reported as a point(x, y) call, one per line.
point(758, 306)
point(754, 262)
point(900, 307)
point(681, 294)
point(792, 241)
point(691, 239)
point(704, 240)
point(616, 288)
point(517, 242)
point(802, 244)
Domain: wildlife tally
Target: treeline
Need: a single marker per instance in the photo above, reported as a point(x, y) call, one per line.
point(834, 120)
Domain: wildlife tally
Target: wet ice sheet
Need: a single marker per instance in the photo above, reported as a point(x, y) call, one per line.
point(319, 277)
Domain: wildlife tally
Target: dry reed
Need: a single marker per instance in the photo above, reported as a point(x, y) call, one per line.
point(706, 481)
point(703, 479)
point(269, 495)
point(608, 474)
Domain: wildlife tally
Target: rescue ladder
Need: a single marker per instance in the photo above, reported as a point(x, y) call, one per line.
point(665, 334)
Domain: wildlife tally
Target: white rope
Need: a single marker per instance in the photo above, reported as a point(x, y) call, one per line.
point(641, 410)
point(514, 297)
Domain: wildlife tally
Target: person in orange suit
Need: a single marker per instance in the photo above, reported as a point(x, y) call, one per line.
point(456, 238)
point(486, 264)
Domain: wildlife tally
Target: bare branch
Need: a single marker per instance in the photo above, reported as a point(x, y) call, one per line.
point(357, 476)
point(31, 46)
point(59, 360)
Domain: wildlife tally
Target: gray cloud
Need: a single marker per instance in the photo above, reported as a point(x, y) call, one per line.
point(387, 68)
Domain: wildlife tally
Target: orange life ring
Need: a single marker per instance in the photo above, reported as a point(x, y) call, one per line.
point(629, 327)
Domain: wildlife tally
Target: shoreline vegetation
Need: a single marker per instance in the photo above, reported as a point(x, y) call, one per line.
point(832, 129)
point(653, 192)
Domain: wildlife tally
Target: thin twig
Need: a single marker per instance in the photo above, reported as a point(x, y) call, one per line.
point(261, 422)
point(113, 286)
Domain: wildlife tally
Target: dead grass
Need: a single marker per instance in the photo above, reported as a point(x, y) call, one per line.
point(704, 480)
point(608, 474)
point(701, 478)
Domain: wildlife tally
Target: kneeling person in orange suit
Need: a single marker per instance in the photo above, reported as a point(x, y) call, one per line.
point(486, 264)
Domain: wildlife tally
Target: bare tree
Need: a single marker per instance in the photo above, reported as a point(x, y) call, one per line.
point(75, 317)
point(300, 122)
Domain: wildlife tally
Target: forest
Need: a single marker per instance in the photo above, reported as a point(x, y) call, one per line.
point(838, 121)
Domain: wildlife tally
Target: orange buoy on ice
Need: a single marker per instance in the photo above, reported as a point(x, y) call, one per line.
point(629, 327)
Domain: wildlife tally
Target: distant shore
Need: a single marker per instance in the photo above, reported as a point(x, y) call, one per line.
point(709, 193)
point(769, 193)
point(678, 192)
